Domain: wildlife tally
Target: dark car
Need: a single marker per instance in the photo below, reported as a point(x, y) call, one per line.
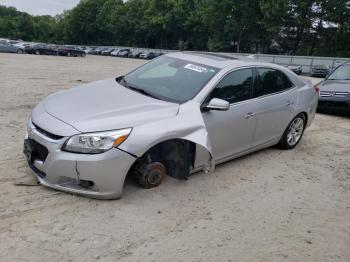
point(41, 49)
point(148, 55)
point(123, 53)
point(134, 54)
point(319, 71)
point(335, 90)
point(70, 51)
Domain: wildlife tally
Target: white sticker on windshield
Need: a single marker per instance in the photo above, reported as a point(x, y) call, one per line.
point(196, 68)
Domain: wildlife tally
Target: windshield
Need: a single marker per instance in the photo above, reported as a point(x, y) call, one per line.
point(169, 79)
point(341, 73)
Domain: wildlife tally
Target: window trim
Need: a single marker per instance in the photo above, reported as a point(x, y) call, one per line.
point(255, 77)
point(226, 74)
point(275, 93)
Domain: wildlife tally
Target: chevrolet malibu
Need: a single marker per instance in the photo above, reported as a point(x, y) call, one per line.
point(178, 114)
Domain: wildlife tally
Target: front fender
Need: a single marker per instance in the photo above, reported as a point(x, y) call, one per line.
point(188, 124)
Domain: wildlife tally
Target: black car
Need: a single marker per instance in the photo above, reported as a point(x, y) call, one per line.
point(335, 90)
point(70, 51)
point(41, 49)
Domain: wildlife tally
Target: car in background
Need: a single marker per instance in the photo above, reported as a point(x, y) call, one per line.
point(70, 51)
point(115, 52)
point(8, 48)
point(335, 90)
point(148, 55)
point(295, 68)
point(134, 54)
point(123, 52)
point(89, 50)
point(41, 49)
point(107, 51)
point(319, 71)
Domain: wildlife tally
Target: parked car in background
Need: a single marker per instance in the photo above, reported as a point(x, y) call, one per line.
point(115, 52)
point(8, 48)
point(107, 51)
point(148, 55)
point(134, 54)
point(70, 51)
point(319, 71)
point(295, 68)
point(123, 52)
point(335, 90)
point(41, 49)
point(180, 113)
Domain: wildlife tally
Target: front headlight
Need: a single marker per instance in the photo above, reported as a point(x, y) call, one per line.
point(95, 143)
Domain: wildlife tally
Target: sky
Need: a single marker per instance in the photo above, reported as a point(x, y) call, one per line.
point(41, 7)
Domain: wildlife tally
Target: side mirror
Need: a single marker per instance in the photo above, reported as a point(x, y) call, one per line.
point(217, 104)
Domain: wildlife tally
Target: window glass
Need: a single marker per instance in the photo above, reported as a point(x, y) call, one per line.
point(341, 73)
point(271, 81)
point(235, 87)
point(171, 79)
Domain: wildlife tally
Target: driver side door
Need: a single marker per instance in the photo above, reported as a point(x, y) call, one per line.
point(231, 132)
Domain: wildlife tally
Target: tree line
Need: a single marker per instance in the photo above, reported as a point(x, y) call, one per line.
point(297, 27)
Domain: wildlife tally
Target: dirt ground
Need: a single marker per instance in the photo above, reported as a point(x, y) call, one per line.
point(269, 206)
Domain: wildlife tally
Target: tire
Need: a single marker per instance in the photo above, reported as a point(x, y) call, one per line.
point(69, 54)
point(20, 51)
point(83, 54)
point(37, 52)
point(293, 133)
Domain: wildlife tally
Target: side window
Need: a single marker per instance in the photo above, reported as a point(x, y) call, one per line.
point(271, 81)
point(235, 87)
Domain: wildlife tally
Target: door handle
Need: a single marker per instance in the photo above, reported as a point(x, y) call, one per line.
point(249, 115)
point(290, 103)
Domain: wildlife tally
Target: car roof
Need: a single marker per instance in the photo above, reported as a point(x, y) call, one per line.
point(218, 60)
point(221, 61)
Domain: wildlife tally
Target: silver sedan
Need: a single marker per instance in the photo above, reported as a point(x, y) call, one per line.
point(178, 114)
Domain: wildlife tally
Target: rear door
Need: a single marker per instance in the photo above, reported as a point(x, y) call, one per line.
point(232, 131)
point(276, 96)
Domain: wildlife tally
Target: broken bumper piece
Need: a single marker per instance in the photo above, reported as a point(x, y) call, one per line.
point(99, 176)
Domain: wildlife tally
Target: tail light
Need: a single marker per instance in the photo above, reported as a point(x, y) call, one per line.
point(317, 89)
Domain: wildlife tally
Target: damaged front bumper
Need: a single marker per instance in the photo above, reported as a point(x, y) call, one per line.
point(99, 176)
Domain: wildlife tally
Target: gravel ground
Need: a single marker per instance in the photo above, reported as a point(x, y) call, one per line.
point(269, 206)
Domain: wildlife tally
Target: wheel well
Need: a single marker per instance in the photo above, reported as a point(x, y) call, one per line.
point(306, 117)
point(177, 155)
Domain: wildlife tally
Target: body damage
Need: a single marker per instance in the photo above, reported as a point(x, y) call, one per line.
point(188, 124)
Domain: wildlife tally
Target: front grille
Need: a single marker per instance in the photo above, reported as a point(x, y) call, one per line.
point(48, 134)
point(333, 94)
point(333, 104)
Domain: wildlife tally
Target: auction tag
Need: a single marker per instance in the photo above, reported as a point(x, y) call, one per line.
point(196, 68)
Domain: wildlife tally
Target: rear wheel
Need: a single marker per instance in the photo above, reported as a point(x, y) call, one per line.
point(19, 51)
point(37, 52)
point(69, 54)
point(293, 133)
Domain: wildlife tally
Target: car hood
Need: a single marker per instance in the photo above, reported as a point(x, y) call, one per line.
point(106, 105)
point(336, 85)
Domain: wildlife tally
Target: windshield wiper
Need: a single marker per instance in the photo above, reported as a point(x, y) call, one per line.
point(123, 82)
point(142, 91)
